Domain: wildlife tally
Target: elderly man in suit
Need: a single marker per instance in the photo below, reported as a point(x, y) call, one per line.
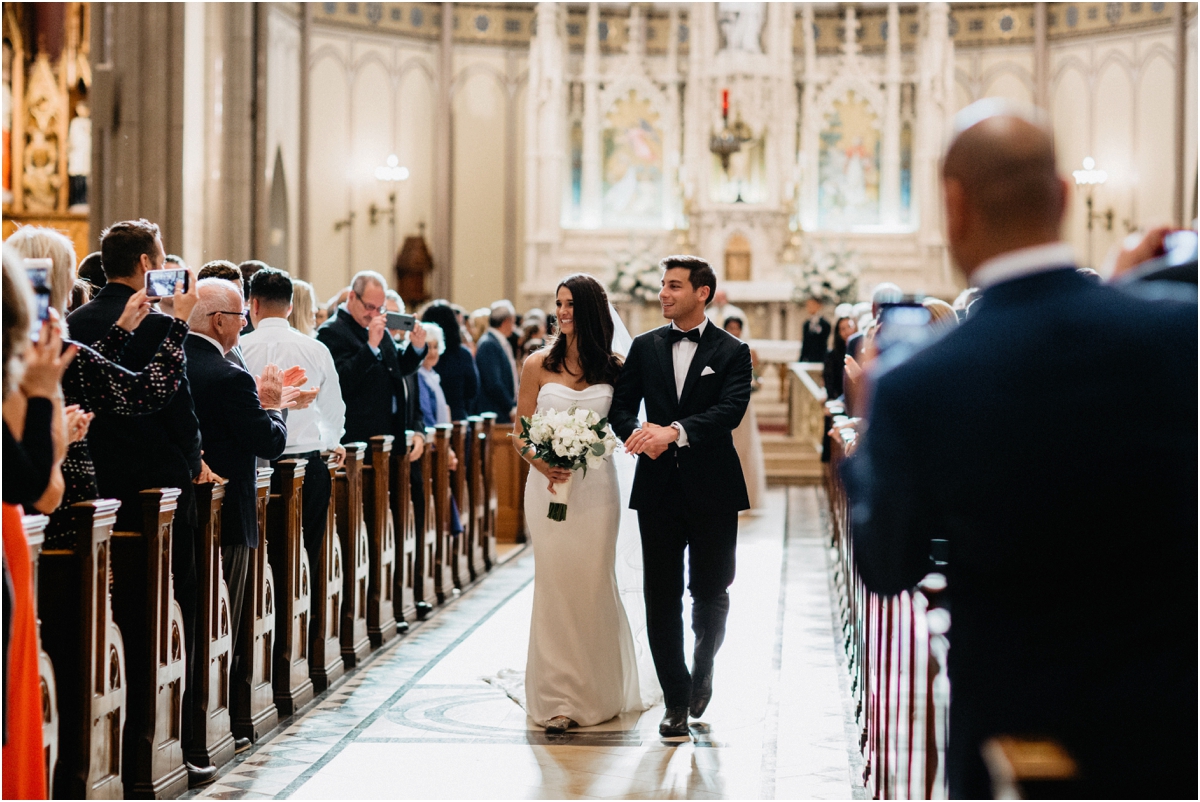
point(371, 368)
point(241, 419)
point(1013, 439)
point(497, 365)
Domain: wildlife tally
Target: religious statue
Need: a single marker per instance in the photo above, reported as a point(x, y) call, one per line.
point(79, 157)
point(741, 26)
point(43, 148)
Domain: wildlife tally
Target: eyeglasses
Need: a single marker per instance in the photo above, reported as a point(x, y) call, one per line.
point(371, 308)
point(241, 314)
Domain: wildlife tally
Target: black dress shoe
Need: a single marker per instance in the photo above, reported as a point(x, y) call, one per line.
point(200, 776)
point(674, 723)
point(241, 745)
point(701, 693)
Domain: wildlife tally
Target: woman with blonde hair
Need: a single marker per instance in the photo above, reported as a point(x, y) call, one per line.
point(477, 323)
point(303, 317)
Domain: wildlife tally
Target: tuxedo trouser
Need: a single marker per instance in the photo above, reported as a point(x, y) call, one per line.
point(710, 538)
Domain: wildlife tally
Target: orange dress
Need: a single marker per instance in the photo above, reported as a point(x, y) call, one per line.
point(24, 766)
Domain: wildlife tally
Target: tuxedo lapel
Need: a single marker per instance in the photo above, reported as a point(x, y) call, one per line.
point(708, 344)
point(662, 347)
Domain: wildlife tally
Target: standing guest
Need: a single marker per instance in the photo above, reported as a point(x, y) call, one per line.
point(434, 409)
point(835, 360)
point(497, 365)
point(456, 366)
point(815, 342)
point(720, 309)
point(248, 268)
point(370, 366)
point(241, 418)
point(477, 325)
point(227, 271)
point(884, 293)
point(305, 317)
point(319, 426)
point(412, 412)
point(91, 271)
point(1045, 639)
point(941, 315)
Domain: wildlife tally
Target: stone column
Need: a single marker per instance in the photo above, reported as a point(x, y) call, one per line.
point(889, 178)
point(672, 156)
point(1041, 58)
point(443, 166)
point(1179, 28)
point(545, 149)
point(810, 125)
point(306, 17)
point(592, 121)
point(934, 105)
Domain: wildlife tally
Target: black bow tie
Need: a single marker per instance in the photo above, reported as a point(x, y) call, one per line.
point(675, 335)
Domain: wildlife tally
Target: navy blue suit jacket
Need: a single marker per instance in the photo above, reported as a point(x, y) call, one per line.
point(1026, 438)
point(496, 391)
point(235, 429)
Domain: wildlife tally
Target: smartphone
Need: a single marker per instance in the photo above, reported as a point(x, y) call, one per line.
point(399, 322)
point(161, 283)
point(38, 271)
point(904, 324)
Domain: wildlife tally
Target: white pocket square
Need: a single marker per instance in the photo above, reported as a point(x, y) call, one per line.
point(707, 371)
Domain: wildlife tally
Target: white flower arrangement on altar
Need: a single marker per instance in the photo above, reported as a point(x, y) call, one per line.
point(575, 439)
point(637, 274)
point(828, 274)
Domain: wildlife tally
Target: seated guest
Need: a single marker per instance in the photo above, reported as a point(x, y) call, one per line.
point(304, 308)
point(370, 367)
point(455, 366)
point(241, 418)
point(815, 342)
point(316, 428)
point(497, 364)
point(1046, 484)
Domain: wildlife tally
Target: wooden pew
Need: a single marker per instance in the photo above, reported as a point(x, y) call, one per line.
point(212, 735)
point(487, 442)
point(325, 649)
point(254, 711)
point(352, 530)
point(508, 472)
point(381, 541)
point(443, 574)
point(88, 653)
point(289, 566)
point(144, 607)
point(424, 586)
point(472, 505)
point(404, 598)
point(461, 563)
point(35, 536)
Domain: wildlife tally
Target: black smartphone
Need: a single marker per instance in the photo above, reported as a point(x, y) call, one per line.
point(905, 323)
point(38, 271)
point(399, 322)
point(161, 283)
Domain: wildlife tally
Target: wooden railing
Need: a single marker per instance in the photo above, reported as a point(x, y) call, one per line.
point(114, 669)
point(896, 652)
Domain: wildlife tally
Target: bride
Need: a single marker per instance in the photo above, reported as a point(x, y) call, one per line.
point(582, 667)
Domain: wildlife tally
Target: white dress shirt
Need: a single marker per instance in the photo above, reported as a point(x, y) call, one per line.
point(319, 427)
point(1023, 262)
point(682, 354)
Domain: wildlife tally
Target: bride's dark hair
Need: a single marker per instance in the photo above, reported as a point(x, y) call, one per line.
point(593, 332)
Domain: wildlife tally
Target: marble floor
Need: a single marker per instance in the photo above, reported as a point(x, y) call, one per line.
point(419, 722)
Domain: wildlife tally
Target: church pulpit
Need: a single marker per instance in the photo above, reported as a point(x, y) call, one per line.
point(424, 587)
point(461, 565)
point(144, 607)
point(381, 541)
point(254, 711)
point(289, 566)
point(443, 572)
point(212, 735)
point(352, 531)
point(35, 536)
point(471, 507)
point(487, 444)
point(403, 599)
point(88, 653)
point(325, 647)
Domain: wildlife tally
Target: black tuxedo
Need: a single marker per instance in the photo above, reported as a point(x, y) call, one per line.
point(372, 386)
point(815, 344)
point(688, 497)
point(1018, 440)
point(236, 430)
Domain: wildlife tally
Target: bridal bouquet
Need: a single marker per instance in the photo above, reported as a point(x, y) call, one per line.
point(575, 439)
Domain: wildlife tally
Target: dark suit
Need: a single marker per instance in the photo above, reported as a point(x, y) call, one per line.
point(496, 391)
point(236, 430)
point(372, 386)
point(1017, 438)
point(688, 497)
point(815, 344)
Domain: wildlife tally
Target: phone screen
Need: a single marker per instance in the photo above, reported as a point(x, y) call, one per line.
point(38, 271)
point(161, 283)
point(905, 324)
point(399, 322)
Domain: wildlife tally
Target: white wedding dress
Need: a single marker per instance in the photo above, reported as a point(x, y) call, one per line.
point(583, 661)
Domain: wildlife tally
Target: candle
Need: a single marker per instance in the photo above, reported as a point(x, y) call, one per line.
point(725, 103)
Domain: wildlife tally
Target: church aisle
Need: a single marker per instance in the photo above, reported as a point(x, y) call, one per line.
point(420, 723)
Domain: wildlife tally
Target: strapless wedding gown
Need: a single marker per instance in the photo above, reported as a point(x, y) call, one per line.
point(582, 660)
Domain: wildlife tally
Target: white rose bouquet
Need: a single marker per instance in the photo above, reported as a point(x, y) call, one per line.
point(574, 439)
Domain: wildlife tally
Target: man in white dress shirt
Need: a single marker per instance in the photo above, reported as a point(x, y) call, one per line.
point(319, 426)
point(721, 310)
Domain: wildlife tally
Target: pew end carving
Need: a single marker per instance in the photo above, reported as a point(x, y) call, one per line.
point(325, 649)
point(472, 506)
point(460, 541)
point(381, 540)
point(292, 573)
point(35, 537)
point(490, 500)
point(443, 557)
point(211, 742)
point(352, 531)
point(404, 598)
point(424, 586)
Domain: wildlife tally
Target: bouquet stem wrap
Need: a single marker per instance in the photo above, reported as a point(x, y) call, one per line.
point(562, 495)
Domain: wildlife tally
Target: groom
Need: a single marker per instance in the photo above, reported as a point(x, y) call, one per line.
point(688, 489)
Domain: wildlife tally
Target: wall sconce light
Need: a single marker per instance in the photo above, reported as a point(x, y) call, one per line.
point(1090, 177)
point(392, 170)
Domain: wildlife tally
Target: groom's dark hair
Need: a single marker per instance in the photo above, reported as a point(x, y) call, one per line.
point(700, 273)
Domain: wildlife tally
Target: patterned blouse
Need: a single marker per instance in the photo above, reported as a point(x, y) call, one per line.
point(97, 383)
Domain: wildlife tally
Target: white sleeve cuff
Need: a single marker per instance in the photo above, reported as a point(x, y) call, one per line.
point(683, 439)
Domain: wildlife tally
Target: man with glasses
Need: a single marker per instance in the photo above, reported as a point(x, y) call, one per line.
point(371, 368)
